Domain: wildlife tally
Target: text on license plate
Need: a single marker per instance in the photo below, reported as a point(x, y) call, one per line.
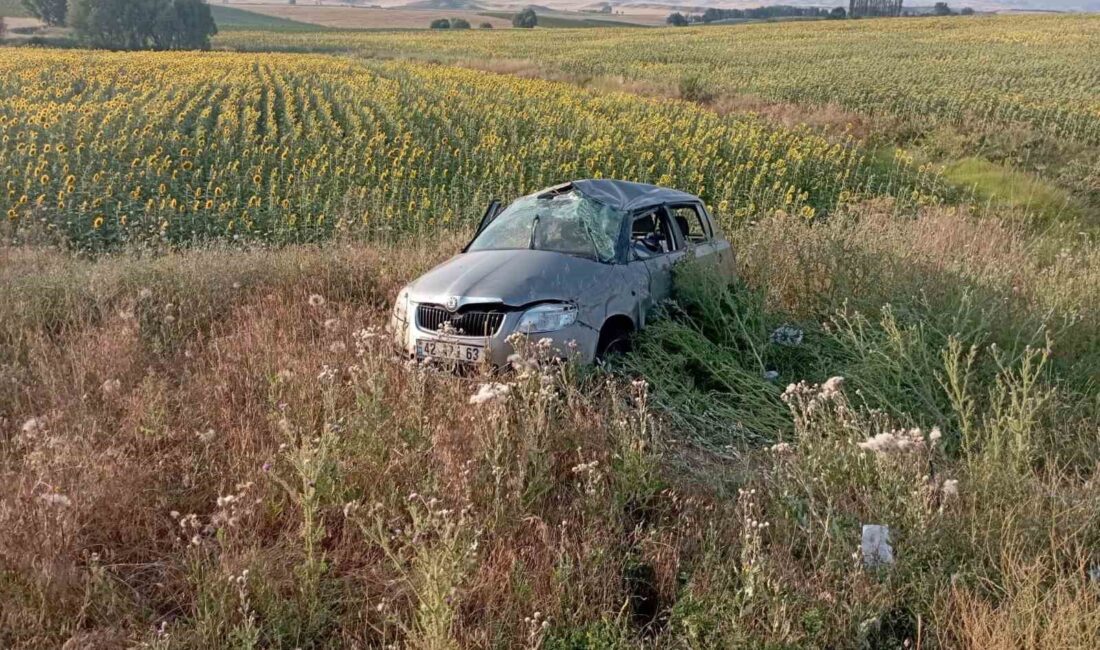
point(448, 350)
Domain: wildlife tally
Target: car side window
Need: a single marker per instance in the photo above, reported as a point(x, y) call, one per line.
point(691, 222)
point(651, 234)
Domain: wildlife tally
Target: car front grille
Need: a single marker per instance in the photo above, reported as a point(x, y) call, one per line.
point(468, 322)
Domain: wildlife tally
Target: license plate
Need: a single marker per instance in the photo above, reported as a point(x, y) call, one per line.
point(449, 351)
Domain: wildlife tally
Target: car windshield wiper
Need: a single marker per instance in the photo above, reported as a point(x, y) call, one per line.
point(534, 230)
point(592, 238)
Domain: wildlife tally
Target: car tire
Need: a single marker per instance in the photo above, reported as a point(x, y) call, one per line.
point(615, 338)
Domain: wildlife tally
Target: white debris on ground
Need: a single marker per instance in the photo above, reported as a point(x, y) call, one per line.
point(787, 335)
point(875, 546)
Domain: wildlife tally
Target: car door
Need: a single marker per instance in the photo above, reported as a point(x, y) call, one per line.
point(654, 247)
point(700, 240)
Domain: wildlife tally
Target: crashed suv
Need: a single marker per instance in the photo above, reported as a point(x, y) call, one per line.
point(582, 264)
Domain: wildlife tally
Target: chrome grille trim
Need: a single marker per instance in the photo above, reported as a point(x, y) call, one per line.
point(467, 322)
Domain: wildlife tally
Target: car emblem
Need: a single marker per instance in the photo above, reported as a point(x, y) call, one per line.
point(452, 303)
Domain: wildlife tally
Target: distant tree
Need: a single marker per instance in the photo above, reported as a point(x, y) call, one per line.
point(677, 19)
point(440, 23)
point(967, 11)
point(838, 13)
point(485, 26)
point(941, 9)
point(460, 23)
point(525, 19)
point(51, 12)
point(183, 25)
point(3, 28)
point(143, 24)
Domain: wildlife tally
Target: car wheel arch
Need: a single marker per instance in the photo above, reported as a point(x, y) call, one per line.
point(615, 333)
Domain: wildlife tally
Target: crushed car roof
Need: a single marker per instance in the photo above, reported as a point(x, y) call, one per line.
point(625, 195)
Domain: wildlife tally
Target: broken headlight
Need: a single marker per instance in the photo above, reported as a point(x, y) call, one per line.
point(549, 317)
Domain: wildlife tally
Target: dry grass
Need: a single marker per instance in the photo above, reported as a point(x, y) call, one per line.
point(829, 118)
point(196, 454)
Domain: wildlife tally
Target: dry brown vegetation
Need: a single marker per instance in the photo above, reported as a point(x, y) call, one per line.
point(830, 118)
point(220, 448)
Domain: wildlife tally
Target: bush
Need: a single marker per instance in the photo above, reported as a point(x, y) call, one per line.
point(525, 19)
point(485, 26)
point(838, 13)
point(143, 24)
point(440, 23)
point(460, 23)
point(694, 89)
point(51, 12)
point(676, 19)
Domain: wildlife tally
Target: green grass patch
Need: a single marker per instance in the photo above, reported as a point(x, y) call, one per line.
point(1004, 187)
point(231, 19)
point(13, 9)
point(559, 21)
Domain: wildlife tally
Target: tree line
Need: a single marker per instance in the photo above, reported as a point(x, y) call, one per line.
point(131, 24)
point(713, 15)
point(755, 13)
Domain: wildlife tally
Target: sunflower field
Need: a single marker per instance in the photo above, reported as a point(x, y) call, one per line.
point(106, 149)
point(1040, 72)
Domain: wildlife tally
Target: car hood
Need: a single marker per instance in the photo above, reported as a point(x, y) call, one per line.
point(512, 277)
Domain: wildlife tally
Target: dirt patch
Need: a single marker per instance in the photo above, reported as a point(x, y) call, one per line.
point(368, 17)
point(830, 118)
point(22, 23)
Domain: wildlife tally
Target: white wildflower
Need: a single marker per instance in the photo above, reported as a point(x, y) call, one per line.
point(951, 488)
point(56, 499)
point(316, 300)
point(338, 347)
point(33, 426)
point(206, 436)
point(831, 388)
point(782, 448)
point(934, 435)
point(111, 386)
point(491, 392)
point(331, 324)
point(894, 442)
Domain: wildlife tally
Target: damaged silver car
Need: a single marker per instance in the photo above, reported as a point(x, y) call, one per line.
point(582, 264)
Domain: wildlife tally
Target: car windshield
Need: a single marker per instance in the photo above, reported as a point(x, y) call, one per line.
point(565, 223)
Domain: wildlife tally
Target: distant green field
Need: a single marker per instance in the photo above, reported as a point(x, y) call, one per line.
point(229, 19)
point(1007, 187)
point(13, 8)
point(559, 21)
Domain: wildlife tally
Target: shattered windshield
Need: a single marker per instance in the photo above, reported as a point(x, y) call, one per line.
point(565, 223)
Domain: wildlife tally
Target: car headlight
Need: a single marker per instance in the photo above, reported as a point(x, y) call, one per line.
point(401, 307)
point(547, 318)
